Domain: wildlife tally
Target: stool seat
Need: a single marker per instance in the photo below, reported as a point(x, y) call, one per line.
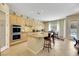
point(47, 38)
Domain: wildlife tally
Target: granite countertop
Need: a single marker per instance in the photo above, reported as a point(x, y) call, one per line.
point(37, 34)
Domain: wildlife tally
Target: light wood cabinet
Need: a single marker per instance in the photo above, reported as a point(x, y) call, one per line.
point(13, 19)
point(27, 21)
point(23, 36)
point(20, 21)
point(30, 25)
point(17, 20)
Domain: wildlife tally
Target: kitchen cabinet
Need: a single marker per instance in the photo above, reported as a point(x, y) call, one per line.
point(13, 19)
point(30, 25)
point(17, 20)
point(36, 41)
point(20, 21)
point(31, 22)
point(23, 36)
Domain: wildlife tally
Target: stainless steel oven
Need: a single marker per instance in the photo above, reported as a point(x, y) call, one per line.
point(16, 28)
point(16, 32)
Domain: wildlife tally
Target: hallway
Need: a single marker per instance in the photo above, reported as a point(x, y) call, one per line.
point(62, 48)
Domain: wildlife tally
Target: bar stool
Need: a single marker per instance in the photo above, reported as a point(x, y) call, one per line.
point(47, 42)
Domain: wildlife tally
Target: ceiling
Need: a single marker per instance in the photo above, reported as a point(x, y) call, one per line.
point(45, 11)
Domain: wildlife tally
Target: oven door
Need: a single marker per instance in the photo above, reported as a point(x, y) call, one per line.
point(16, 30)
point(16, 36)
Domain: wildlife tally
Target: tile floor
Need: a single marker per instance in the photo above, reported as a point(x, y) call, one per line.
point(61, 48)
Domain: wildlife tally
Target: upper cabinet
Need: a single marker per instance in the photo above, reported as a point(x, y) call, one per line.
point(17, 20)
point(22, 21)
point(27, 24)
point(13, 19)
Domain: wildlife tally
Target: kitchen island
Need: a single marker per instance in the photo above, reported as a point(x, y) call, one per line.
point(36, 41)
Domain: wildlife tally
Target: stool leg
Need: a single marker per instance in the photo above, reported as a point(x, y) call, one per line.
point(49, 46)
point(44, 45)
point(48, 49)
point(78, 51)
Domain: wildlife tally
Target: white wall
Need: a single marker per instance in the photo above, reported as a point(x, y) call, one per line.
point(58, 26)
point(4, 8)
point(69, 20)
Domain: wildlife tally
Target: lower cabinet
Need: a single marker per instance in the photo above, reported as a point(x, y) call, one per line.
point(24, 37)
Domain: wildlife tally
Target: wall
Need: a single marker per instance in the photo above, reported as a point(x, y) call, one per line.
point(69, 20)
point(53, 25)
point(57, 25)
point(2, 29)
point(61, 28)
point(46, 26)
point(4, 8)
point(65, 24)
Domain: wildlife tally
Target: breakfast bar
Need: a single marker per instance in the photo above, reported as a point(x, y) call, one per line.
point(36, 41)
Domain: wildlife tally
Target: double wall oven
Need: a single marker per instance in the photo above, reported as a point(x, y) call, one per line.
point(16, 29)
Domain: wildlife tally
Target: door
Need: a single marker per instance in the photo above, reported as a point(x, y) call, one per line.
point(2, 30)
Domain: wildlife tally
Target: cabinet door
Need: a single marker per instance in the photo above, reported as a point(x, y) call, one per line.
point(20, 21)
point(18, 18)
point(23, 37)
point(27, 21)
point(13, 19)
